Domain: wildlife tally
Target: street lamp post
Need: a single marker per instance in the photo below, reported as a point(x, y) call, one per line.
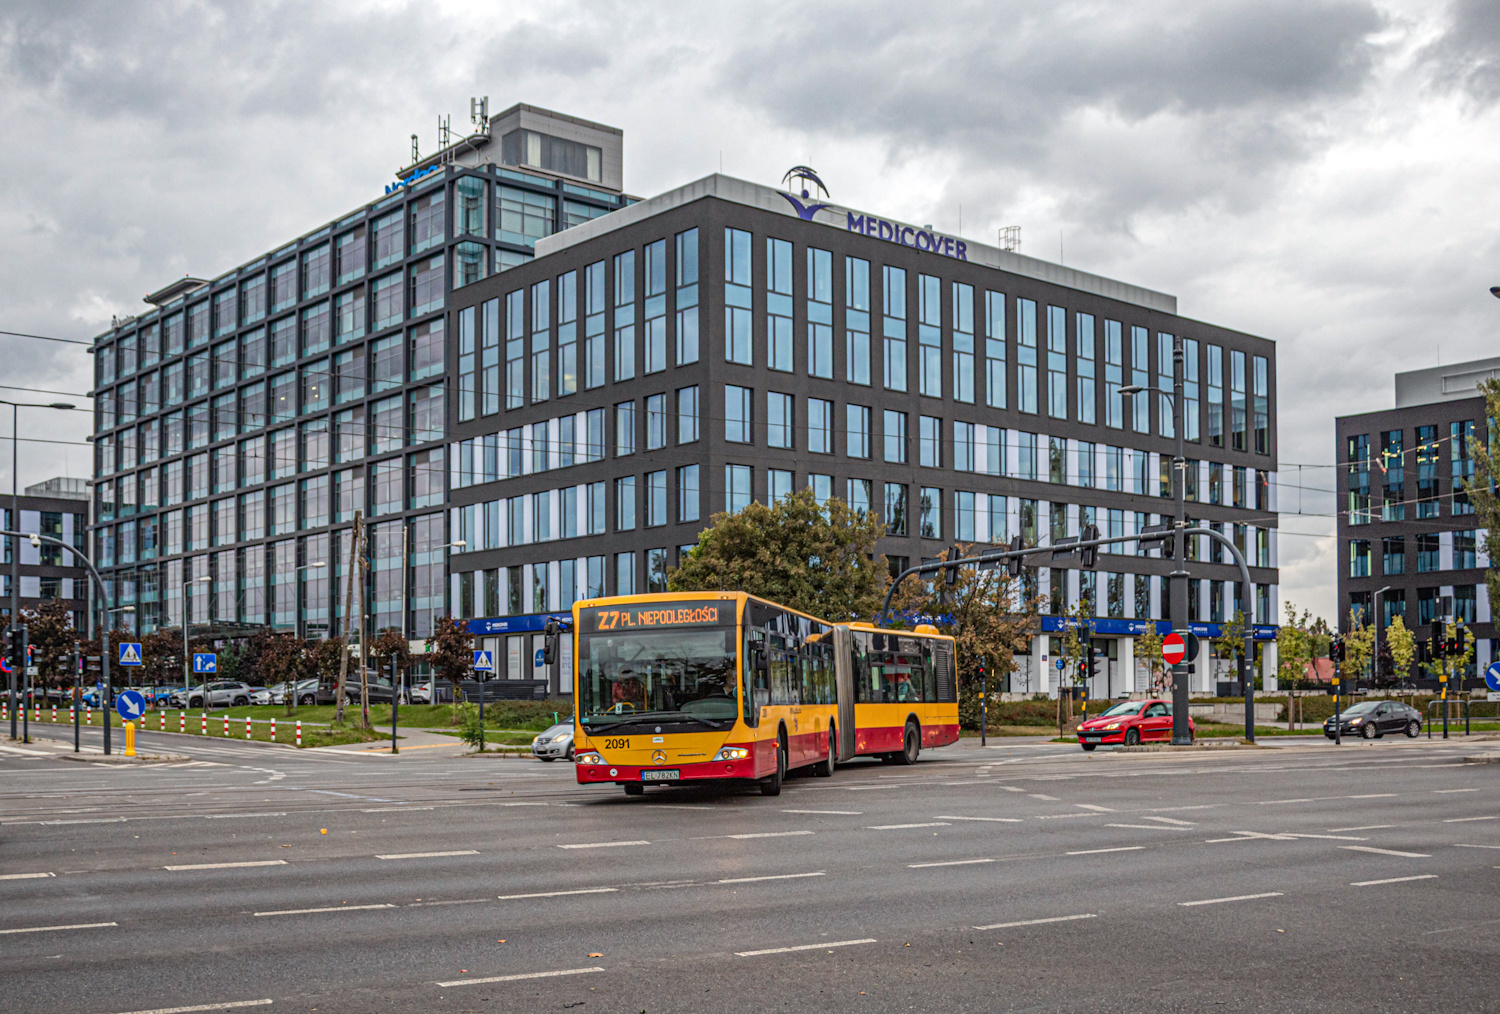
point(1177, 580)
point(187, 654)
point(289, 687)
point(15, 523)
point(1375, 651)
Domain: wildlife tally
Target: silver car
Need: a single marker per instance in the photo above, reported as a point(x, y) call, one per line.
point(554, 743)
point(223, 694)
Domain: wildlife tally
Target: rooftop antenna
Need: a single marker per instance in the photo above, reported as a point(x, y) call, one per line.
point(445, 134)
point(415, 158)
point(1010, 238)
point(479, 114)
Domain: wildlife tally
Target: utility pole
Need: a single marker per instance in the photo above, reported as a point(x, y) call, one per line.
point(1178, 586)
point(364, 609)
point(348, 606)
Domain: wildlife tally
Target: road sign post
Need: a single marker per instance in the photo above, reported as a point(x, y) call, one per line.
point(484, 662)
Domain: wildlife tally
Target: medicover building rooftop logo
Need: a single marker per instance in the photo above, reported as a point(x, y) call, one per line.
point(803, 179)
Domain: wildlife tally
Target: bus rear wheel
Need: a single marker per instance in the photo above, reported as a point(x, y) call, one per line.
point(825, 768)
point(911, 746)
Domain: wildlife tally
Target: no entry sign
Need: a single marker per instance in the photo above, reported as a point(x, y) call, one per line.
point(1173, 649)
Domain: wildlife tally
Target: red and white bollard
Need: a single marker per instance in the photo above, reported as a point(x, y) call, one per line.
point(226, 725)
point(273, 728)
point(182, 722)
point(163, 716)
point(88, 715)
point(38, 713)
point(247, 726)
point(54, 712)
point(299, 732)
point(204, 730)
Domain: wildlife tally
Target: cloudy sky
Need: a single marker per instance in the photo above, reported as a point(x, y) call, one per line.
point(1320, 172)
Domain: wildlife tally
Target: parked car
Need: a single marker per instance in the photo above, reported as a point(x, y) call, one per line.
point(260, 695)
point(221, 694)
point(1129, 723)
point(421, 693)
point(163, 696)
point(307, 692)
point(1373, 719)
point(380, 688)
point(554, 742)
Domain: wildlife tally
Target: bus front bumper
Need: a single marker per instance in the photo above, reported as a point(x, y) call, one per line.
point(667, 774)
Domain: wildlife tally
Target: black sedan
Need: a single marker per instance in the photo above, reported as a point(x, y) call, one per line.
point(1373, 719)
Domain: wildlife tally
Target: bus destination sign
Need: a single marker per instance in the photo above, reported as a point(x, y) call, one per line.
point(651, 615)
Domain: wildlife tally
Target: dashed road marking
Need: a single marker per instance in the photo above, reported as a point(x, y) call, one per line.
point(26, 876)
point(428, 855)
point(558, 894)
point(227, 866)
point(769, 834)
point(1466, 820)
point(1386, 852)
point(1393, 880)
point(329, 908)
point(902, 827)
point(49, 929)
point(228, 1005)
point(832, 813)
point(804, 947)
point(772, 876)
point(950, 862)
point(601, 844)
point(1147, 827)
point(1169, 820)
point(1097, 809)
point(1038, 922)
point(517, 977)
point(1090, 852)
point(995, 820)
point(1237, 897)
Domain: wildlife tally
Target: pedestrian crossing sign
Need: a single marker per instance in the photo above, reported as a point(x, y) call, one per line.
point(484, 661)
point(130, 653)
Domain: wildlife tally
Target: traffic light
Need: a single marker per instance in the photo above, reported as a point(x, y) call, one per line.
point(1436, 644)
point(1014, 564)
point(1336, 651)
point(13, 649)
point(1089, 555)
point(1096, 661)
point(951, 573)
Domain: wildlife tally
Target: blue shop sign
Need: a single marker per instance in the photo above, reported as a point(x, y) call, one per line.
point(534, 623)
point(391, 188)
point(906, 235)
point(1135, 628)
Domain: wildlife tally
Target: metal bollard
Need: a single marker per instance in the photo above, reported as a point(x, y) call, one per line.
point(247, 726)
point(299, 732)
point(129, 739)
point(273, 728)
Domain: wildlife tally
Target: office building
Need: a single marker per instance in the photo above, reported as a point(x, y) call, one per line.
point(727, 342)
point(1408, 539)
point(243, 419)
point(59, 508)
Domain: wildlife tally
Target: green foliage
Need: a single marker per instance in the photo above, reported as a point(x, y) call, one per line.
point(469, 728)
point(49, 631)
point(1299, 641)
point(1148, 652)
point(1359, 642)
point(1401, 644)
point(819, 559)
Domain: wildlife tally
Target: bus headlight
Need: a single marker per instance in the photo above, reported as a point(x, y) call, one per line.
point(589, 758)
point(729, 753)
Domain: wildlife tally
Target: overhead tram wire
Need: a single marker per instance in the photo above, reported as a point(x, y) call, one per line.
point(46, 338)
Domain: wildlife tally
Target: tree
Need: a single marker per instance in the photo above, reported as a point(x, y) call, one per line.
point(452, 654)
point(49, 631)
point(1401, 645)
point(283, 659)
point(95, 671)
point(1148, 651)
point(983, 610)
point(1482, 488)
point(1358, 645)
point(161, 659)
point(819, 559)
point(1299, 642)
point(392, 644)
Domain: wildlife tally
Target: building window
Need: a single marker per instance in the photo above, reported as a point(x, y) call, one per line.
point(624, 322)
point(858, 496)
point(1359, 557)
point(929, 442)
point(820, 313)
point(1358, 459)
point(1465, 551)
point(895, 437)
point(625, 504)
point(737, 492)
point(428, 227)
point(385, 296)
point(857, 429)
point(779, 420)
point(779, 305)
point(624, 429)
point(687, 493)
point(778, 484)
point(624, 573)
point(1262, 405)
point(515, 353)
point(895, 508)
point(656, 498)
point(389, 234)
point(525, 217)
point(687, 415)
point(1459, 435)
point(687, 297)
point(427, 285)
point(1237, 400)
point(930, 336)
point(656, 306)
point(315, 271)
point(1190, 403)
point(737, 414)
point(593, 324)
point(819, 426)
point(541, 341)
point(468, 194)
point(1215, 395)
point(964, 516)
point(1026, 356)
point(822, 488)
point(857, 321)
point(739, 345)
point(1084, 365)
point(893, 293)
point(931, 505)
point(573, 158)
point(1393, 556)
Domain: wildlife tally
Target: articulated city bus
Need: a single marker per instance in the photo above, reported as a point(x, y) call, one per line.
point(683, 687)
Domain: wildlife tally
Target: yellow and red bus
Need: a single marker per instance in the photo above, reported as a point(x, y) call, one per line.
point(684, 687)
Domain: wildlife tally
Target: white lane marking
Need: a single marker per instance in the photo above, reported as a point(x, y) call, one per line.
point(995, 820)
point(950, 862)
point(1237, 897)
point(602, 844)
point(1038, 922)
point(49, 929)
point(227, 866)
point(1393, 880)
point(1445, 791)
point(1091, 806)
point(1466, 820)
point(1038, 795)
point(558, 894)
point(1012, 788)
point(229, 1005)
point(1363, 827)
point(900, 827)
point(1477, 846)
point(804, 947)
point(330, 908)
point(1251, 836)
point(1060, 816)
point(238, 816)
point(26, 876)
point(1172, 821)
point(769, 834)
point(455, 901)
point(1090, 852)
point(428, 855)
point(1331, 837)
point(1146, 827)
point(394, 809)
point(773, 876)
point(1386, 852)
point(1372, 795)
point(517, 978)
point(835, 813)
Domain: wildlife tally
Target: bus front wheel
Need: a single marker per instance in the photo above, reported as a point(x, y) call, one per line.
point(634, 789)
point(771, 784)
point(911, 746)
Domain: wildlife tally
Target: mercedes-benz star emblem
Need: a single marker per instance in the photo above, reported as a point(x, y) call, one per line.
point(658, 756)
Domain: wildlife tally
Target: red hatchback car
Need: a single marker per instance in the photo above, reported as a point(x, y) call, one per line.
point(1130, 722)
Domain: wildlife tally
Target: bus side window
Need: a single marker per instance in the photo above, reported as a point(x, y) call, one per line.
point(756, 677)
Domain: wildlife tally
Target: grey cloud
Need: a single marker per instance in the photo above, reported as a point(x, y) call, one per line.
point(1467, 55)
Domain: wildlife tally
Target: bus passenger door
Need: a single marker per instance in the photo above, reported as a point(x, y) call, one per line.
point(843, 683)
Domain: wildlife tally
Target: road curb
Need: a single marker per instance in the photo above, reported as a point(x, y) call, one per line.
point(1199, 746)
point(114, 758)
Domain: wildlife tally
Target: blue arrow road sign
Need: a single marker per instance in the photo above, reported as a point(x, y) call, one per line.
point(130, 653)
point(205, 662)
point(484, 660)
point(1492, 676)
point(130, 704)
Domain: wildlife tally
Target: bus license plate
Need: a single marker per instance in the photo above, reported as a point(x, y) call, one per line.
point(665, 775)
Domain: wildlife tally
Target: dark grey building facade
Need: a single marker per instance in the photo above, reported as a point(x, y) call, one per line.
point(1408, 539)
point(241, 421)
point(727, 342)
point(59, 508)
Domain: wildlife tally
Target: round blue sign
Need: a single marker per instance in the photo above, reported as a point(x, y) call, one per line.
point(1492, 676)
point(1061, 665)
point(130, 704)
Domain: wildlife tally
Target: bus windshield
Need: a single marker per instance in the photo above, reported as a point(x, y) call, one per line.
point(658, 676)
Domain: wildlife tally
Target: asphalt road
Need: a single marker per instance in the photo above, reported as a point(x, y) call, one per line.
point(1024, 877)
